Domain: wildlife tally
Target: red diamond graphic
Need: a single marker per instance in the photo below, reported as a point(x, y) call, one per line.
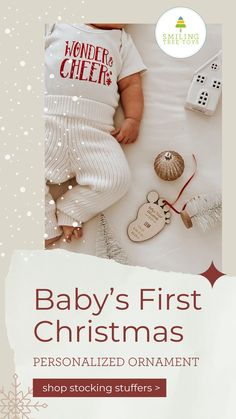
point(212, 274)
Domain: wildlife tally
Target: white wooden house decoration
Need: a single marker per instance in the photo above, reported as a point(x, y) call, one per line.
point(205, 90)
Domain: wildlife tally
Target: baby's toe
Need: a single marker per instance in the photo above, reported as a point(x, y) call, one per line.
point(78, 232)
point(68, 232)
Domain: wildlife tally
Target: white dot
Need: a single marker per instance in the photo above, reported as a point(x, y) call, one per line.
point(3, 128)
point(3, 255)
point(75, 224)
point(45, 236)
point(22, 63)
point(29, 87)
point(51, 202)
point(22, 189)
point(29, 213)
point(7, 31)
point(7, 157)
point(51, 76)
point(59, 144)
point(75, 98)
point(70, 187)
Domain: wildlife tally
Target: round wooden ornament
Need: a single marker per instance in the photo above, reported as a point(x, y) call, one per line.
point(169, 165)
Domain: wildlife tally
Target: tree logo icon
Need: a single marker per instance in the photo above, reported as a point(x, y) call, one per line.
point(180, 24)
point(180, 32)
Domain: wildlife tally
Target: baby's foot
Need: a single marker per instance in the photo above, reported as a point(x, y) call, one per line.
point(70, 231)
point(78, 232)
point(53, 240)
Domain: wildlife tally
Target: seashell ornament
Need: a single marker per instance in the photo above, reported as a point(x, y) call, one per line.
point(169, 165)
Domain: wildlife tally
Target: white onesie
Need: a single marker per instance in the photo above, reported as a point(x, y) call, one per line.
point(87, 62)
point(83, 67)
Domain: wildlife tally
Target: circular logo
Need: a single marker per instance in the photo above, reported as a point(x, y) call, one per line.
point(180, 32)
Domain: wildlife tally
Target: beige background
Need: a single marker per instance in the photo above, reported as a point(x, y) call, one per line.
point(21, 125)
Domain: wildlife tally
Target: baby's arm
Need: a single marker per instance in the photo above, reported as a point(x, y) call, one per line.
point(131, 95)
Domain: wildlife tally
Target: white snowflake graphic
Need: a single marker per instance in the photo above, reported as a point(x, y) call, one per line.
point(16, 403)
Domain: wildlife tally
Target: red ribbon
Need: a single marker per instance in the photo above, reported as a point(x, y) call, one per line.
point(171, 205)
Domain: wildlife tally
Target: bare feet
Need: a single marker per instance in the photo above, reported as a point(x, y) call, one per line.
point(48, 242)
point(70, 232)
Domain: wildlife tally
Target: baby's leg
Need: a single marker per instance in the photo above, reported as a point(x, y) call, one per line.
point(57, 170)
point(101, 171)
point(52, 230)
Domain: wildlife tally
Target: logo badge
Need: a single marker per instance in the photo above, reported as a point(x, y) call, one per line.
point(180, 32)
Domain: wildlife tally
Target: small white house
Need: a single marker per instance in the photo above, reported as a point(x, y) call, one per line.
point(205, 90)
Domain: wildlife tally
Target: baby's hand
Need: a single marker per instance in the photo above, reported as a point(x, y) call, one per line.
point(128, 132)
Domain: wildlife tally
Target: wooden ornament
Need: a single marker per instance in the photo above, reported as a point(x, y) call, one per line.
point(169, 165)
point(152, 217)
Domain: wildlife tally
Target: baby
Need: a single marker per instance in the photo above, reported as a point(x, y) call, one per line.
point(88, 69)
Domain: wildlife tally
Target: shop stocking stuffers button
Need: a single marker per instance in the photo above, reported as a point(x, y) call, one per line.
point(99, 387)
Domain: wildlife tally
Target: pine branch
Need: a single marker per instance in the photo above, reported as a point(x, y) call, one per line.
point(106, 245)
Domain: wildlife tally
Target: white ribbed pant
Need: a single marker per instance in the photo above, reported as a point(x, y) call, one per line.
point(78, 144)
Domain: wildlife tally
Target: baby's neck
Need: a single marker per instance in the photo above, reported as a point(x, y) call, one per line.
point(105, 26)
